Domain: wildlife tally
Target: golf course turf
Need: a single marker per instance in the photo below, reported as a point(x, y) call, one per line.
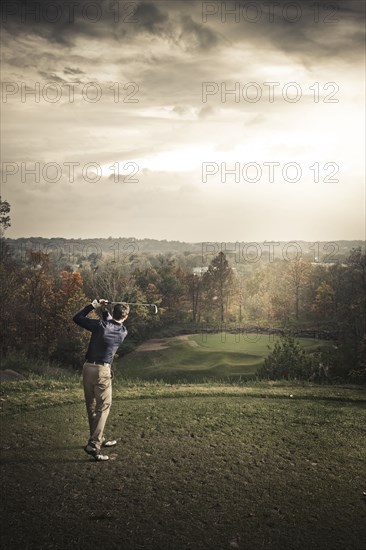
point(221, 464)
point(197, 466)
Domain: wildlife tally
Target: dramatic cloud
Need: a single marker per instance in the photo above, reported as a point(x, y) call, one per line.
point(158, 91)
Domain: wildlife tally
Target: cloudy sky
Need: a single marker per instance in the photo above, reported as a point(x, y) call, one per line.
point(192, 121)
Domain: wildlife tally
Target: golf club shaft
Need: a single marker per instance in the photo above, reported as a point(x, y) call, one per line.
point(134, 304)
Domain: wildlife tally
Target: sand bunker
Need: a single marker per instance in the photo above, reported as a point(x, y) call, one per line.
point(192, 343)
point(154, 345)
point(163, 343)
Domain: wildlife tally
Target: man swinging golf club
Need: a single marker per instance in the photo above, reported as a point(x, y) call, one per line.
point(107, 334)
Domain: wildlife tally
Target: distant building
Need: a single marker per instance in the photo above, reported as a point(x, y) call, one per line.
point(199, 271)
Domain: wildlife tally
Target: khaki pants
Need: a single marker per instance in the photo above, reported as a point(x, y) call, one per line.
point(97, 383)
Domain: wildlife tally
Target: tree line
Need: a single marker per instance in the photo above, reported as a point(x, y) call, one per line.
point(40, 294)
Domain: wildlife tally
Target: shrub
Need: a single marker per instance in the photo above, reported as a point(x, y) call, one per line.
point(344, 361)
point(288, 361)
point(15, 360)
point(69, 352)
point(358, 375)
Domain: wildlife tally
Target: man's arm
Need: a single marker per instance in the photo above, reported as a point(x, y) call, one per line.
point(106, 316)
point(81, 318)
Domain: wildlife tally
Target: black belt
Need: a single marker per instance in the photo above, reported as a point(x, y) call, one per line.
point(98, 364)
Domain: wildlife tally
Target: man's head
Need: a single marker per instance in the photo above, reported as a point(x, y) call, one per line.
point(120, 312)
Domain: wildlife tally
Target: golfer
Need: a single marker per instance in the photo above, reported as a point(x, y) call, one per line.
point(107, 334)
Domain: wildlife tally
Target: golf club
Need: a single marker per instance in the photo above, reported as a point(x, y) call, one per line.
point(154, 306)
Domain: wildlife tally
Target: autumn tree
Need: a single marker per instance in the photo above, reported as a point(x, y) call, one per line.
point(70, 343)
point(357, 266)
point(4, 216)
point(277, 295)
point(37, 305)
point(4, 224)
point(194, 284)
point(324, 300)
point(217, 281)
point(171, 286)
point(297, 275)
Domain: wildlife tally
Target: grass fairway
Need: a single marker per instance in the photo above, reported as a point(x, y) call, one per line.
point(203, 356)
point(210, 466)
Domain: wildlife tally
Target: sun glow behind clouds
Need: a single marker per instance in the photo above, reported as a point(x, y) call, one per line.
point(160, 143)
point(184, 159)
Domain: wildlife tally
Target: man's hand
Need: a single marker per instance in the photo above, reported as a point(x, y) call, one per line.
point(99, 304)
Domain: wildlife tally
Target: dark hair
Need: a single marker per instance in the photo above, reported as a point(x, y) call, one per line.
point(120, 311)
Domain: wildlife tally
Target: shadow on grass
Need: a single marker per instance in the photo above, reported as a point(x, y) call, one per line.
point(82, 460)
point(66, 450)
point(358, 402)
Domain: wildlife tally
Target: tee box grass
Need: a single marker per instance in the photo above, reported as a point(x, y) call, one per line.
point(206, 466)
